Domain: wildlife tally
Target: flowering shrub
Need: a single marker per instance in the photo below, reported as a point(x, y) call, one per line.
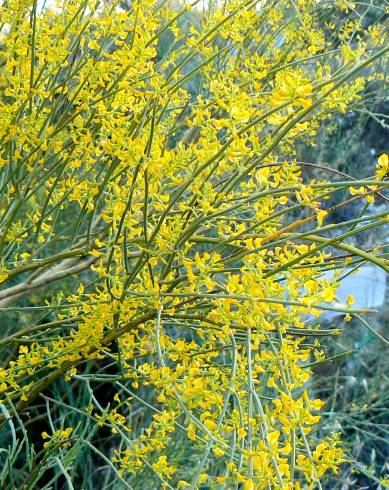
point(159, 238)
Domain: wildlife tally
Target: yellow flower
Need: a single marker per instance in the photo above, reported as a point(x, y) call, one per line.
point(3, 277)
point(350, 300)
point(321, 214)
point(382, 168)
point(220, 479)
point(249, 485)
point(218, 452)
point(191, 432)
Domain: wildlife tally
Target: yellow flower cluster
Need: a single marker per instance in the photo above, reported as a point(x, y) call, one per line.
point(58, 438)
point(158, 190)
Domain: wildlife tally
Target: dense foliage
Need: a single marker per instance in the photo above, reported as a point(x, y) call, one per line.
point(162, 252)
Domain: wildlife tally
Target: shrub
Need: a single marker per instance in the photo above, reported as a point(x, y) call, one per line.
point(162, 254)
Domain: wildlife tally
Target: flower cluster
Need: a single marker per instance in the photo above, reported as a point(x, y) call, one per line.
point(158, 191)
